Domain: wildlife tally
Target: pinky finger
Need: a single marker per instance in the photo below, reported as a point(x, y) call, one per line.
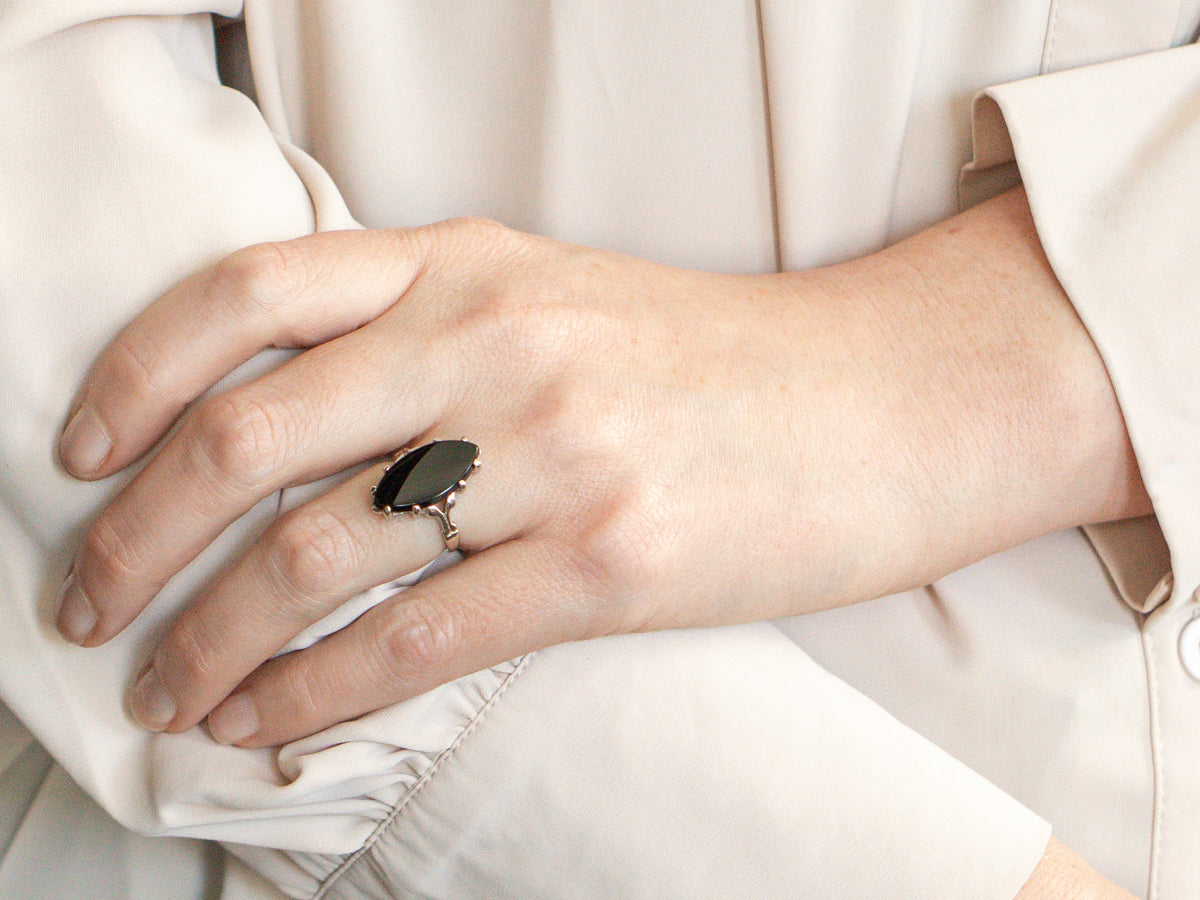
point(496, 605)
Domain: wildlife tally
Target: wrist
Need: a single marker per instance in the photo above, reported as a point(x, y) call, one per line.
point(996, 417)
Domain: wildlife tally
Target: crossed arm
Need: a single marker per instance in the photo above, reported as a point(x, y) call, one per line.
point(631, 416)
point(620, 402)
point(833, 395)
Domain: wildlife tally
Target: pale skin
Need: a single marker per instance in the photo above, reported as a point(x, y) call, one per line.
point(858, 409)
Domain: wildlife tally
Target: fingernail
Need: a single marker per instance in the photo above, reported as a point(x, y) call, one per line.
point(74, 613)
point(150, 703)
point(85, 444)
point(234, 720)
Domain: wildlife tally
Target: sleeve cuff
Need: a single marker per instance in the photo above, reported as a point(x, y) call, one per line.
point(1110, 158)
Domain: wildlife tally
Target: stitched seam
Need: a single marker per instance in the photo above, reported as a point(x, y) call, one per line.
point(1051, 31)
point(1157, 763)
point(333, 877)
point(772, 181)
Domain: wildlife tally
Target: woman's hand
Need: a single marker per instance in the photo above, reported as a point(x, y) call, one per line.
point(660, 448)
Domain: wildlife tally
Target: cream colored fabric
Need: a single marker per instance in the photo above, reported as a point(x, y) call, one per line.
point(721, 135)
point(1117, 221)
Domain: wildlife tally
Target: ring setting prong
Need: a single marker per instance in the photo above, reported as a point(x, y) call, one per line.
point(425, 481)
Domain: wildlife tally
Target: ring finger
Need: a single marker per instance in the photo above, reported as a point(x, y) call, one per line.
point(307, 564)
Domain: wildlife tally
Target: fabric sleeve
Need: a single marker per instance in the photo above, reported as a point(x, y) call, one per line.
point(1110, 158)
point(726, 760)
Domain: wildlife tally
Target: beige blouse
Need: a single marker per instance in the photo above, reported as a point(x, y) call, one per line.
point(916, 746)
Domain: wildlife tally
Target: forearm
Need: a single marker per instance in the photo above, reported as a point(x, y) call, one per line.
point(976, 321)
point(985, 414)
point(1056, 433)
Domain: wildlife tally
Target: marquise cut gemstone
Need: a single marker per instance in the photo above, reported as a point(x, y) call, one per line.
point(425, 475)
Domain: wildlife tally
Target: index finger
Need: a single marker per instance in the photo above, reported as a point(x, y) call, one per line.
point(290, 294)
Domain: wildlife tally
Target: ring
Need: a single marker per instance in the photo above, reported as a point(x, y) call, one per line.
point(425, 480)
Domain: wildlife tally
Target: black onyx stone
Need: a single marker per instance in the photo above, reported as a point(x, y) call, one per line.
point(425, 475)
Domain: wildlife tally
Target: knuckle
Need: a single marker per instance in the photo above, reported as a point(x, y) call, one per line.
point(475, 230)
point(109, 554)
point(259, 279)
point(135, 367)
point(301, 697)
point(603, 430)
point(315, 554)
point(186, 659)
point(420, 637)
point(481, 240)
point(577, 425)
point(625, 550)
point(242, 438)
point(513, 325)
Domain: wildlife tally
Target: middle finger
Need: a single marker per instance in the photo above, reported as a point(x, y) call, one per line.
point(322, 412)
